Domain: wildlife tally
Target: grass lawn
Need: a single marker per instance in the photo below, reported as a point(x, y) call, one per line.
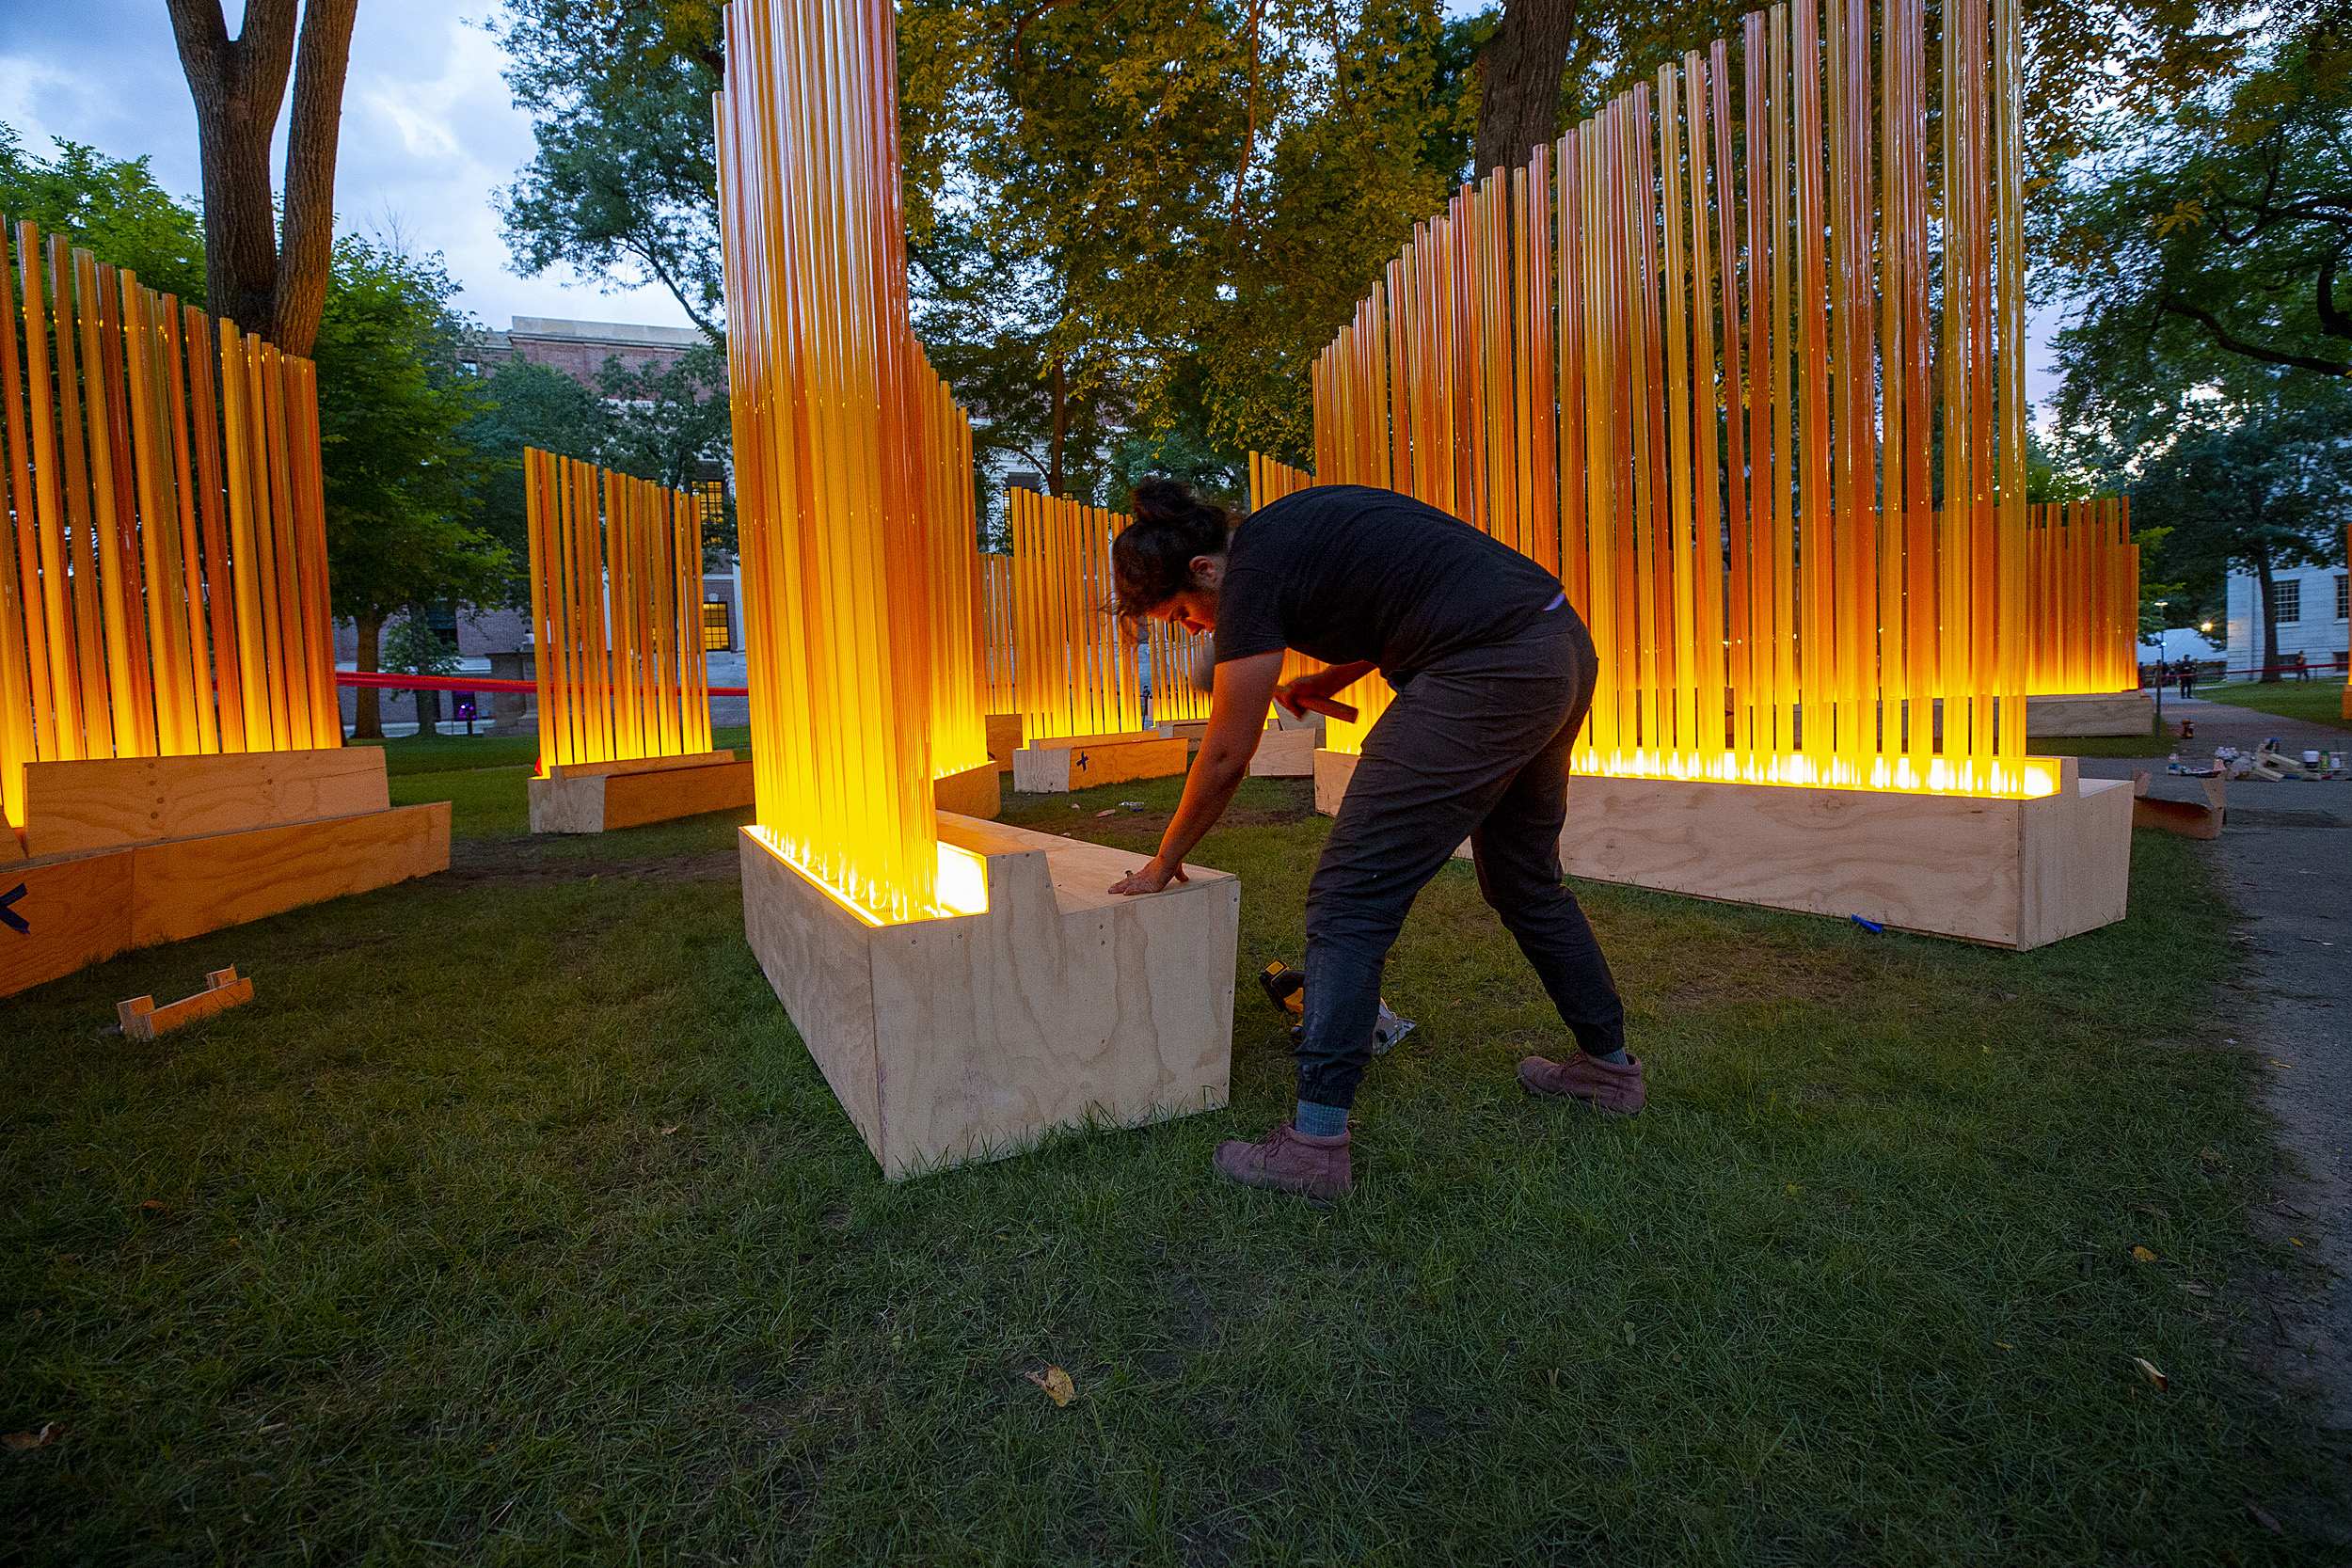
point(2159, 739)
point(2318, 701)
point(452, 753)
point(511, 1222)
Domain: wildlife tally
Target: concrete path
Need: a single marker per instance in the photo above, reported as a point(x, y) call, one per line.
point(2284, 859)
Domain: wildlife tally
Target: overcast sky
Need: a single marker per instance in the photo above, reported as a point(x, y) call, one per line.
point(429, 136)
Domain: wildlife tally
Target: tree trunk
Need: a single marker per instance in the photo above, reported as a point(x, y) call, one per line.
point(1061, 427)
point(1518, 99)
point(2263, 591)
point(368, 723)
point(238, 86)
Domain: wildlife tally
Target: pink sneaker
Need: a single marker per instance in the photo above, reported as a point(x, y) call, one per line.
point(1289, 1161)
point(1603, 1086)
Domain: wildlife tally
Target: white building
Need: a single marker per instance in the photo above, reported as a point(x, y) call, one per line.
point(2308, 604)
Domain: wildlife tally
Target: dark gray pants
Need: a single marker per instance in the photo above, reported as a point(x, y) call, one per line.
point(1475, 746)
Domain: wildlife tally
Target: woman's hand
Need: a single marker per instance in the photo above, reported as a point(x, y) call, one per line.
point(1311, 693)
point(1152, 877)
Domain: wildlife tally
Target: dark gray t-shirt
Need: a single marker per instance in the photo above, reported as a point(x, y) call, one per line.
point(1345, 572)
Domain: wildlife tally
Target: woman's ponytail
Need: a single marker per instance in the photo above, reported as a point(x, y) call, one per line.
point(1151, 559)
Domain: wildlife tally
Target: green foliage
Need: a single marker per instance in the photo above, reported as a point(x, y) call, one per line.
point(523, 405)
point(401, 481)
point(667, 424)
point(625, 185)
point(414, 648)
point(2212, 252)
point(110, 206)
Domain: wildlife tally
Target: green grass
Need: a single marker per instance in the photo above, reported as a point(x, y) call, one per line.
point(511, 1222)
point(2155, 743)
point(2318, 701)
point(412, 755)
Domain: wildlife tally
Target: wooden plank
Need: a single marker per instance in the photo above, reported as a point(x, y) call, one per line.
point(974, 792)
point(102, 802)
point(1004, 736)
point(566, 805)
point(637, 765)
point(2055, 715)
point(74, 911)
point(1058, 769)
point(633, 800)
point(972, 1037)
point(1285, 754)
point(2013, 873)
point(143, 1020)
point(185, 887)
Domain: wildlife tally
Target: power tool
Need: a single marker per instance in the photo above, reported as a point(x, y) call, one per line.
point(1286, 989)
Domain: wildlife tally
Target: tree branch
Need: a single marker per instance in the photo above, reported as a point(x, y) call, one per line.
point(2333, 322)
point(2223, 340)
point(1249, 125)
point(300, 297)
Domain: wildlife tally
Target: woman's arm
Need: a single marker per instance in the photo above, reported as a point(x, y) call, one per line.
point(1237, 709)
point(1313, 692)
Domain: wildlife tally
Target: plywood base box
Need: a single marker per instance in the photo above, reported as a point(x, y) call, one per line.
point(600, 797)
point(970, 1036)
point(2011, 872)
point(2091, 713)
point(226, 853)
point(974, 792)
point(1059, 767)
point(1286, 754)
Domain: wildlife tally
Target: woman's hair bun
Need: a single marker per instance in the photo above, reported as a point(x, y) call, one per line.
point(1152, 560)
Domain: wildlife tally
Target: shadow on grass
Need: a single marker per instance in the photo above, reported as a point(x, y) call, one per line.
point(511, 1221)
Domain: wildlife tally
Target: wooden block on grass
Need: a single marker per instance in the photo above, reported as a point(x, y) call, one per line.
point(108, 801)
point(143, 1020)
point(1286, 754)
point(2011, 873)
point(2089, 713)
point(2185, 817)
point(76, 910)
point(620, 795)
point(970, 1037)
point(1057, 769)
point(974, 792)
point(640, 765)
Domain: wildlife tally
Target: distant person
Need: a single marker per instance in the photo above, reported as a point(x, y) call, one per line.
point(2303, 667)
point(2188, 676)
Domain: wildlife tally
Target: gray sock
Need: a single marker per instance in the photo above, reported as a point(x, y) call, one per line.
point(1320, 1121)
point(1614, 1058)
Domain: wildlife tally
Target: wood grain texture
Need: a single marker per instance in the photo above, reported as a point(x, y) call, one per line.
point(975, 792)
point(638, 765)
point(633, 800)
point(143, 1020)
point(1286, 754)
point(2090, 713)
point(1004, 736)
point(1057, 769)
point(970, 1036)
point(105, 802)
point(2009, 873)
point(78, 910)
point(185, 887)
point(2185, 817)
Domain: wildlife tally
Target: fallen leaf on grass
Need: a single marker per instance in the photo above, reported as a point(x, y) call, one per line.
point(2193, 1288)
point(2262, 1517)
point(1113, 812)
point(2143, 1255)
point(20, 1441)
point(1057, 1385)
point(158, 1205)
point(2149, 1370)
point(667, 1130)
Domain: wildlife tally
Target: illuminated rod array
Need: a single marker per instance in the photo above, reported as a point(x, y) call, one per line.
point(163, 553)
point(846, 451)
point(2082, 586)
point(615, 614)
point(1077, 668)
point(1002, 693)
point(1683, 358)
point(1174, 654)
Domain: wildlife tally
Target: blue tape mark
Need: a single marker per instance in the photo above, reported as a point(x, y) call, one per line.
point(1871, 925)
point(16, 922)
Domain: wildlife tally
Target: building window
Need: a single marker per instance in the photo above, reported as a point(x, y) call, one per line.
point(714, 501)
point(718, 627)
point(2286, 603)
point(2343, 597)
